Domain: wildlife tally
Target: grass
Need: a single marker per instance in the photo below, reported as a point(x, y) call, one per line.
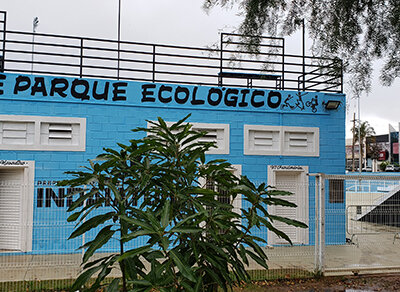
point(64, 285)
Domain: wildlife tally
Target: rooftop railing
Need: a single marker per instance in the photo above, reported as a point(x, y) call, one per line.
point(229, 63)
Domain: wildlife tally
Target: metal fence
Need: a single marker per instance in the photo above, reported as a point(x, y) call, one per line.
point(53, 262)
point(228, 63)
point(353, 227)
point(372, 224)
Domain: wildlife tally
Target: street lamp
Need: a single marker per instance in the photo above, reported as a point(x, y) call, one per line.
point(34, 26)
point(359, 135)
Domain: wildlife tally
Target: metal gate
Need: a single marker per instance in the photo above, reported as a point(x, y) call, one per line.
point(372, 223)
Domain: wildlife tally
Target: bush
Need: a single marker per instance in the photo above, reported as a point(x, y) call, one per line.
point(383, 165)
point(193, 240)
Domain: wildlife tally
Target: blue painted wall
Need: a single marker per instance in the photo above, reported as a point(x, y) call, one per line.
point(129, 104)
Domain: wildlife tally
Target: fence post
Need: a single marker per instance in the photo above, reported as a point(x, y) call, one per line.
point(319, 256)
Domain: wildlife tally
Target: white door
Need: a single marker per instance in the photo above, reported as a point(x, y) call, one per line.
point(11, 185)
point(296, 183)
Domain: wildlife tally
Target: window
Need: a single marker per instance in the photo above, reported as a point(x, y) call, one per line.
point(16, 205)
point(336, 191)
point(211, 185)
point(17, 133)
point(42, 133)
point(300, 141)
point(261, 139)
point(218, 133)
point(281, 140)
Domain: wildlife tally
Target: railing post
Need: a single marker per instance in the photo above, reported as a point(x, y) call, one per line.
point(304, 55)
point(4, 42)
point(154, 63)
point(341, 76)
point(221, 49)
point(283, 64)
point(81, 60)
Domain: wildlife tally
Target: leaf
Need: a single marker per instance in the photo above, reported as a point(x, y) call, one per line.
point(91, 223)
point(101, 238)
point(113, 287)
point(90, 264)
point(79, 202)
point(134, 252)
point(260, 261)
point(137, 222)
point(165, 214)
point(198, 287)
point(279, 202)
point(189, 218)
point(186, 229)
point(183, 267)
point(242, 253)
point(135, 234)
point(289, 221)
point(73, 217)
point(84, 277)
point(275, 230)
point(115, 190)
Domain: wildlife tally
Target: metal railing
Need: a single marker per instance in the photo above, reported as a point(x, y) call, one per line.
point(50, 54)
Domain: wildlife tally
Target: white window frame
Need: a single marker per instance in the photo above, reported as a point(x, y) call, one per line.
point(247, 146)
point(308, 130)
point(27, 200)
point(281, 148)
point(38, 120)
point(224, 128)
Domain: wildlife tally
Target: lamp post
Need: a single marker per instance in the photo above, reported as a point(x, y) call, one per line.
point(304, 52)
point(119, 35)
point(34, 26)
point(359, 136)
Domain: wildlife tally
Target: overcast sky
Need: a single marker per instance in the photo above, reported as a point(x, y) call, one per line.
point(181, 22)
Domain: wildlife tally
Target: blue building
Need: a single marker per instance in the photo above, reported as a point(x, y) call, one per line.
point(272, 126)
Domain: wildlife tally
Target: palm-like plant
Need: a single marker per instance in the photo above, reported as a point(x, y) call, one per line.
point(360, 134)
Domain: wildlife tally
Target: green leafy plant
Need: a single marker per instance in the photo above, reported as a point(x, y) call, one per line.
point(383, 165)
point(193, 240)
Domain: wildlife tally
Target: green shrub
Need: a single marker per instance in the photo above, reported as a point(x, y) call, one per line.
point(193, 241)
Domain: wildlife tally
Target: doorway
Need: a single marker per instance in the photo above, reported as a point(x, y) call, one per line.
point(16, 206)
point(294, 180)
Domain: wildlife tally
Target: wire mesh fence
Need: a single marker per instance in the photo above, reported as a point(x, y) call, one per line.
point(372, 224)
point(360, 231)
point(48, 260)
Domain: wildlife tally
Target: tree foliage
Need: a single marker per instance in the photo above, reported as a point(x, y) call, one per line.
point(173, 234)
point(360, 134)
point(356, 31)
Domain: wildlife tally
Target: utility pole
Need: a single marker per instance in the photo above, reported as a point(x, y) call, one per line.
point(354, 142)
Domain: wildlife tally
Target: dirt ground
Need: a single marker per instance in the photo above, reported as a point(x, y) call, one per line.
point(362, 283)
